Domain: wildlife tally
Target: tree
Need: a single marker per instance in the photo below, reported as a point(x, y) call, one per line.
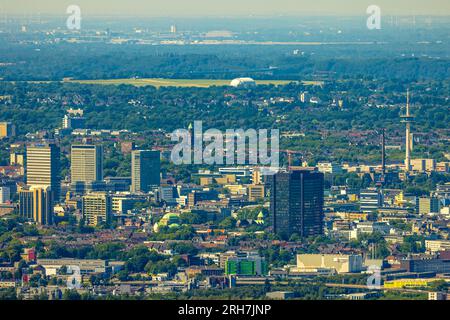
point(71, 294)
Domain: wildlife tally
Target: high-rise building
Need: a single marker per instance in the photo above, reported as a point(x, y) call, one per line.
point(6, 129)
point(97, 208)
point(296, 203)
point(86, 163)
point(25, 203)
point(35, 203)
point(145, 170)
point(43, 168)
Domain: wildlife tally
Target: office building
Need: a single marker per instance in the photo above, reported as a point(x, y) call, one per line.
point(329, 167)
point(428, 205)
point(35, 203)
point(423, 165)
point(296, 203)
point(73, 122)
point(121, 204)
point(97, 208)
point(370, 200)
point(434, 246)
point(168, 194)
point(86, 266)
point(426, 263)
point(145, 170)
point(43, 168)
point(256, 192)
point(86, 163)
point(250, 264)
point(337, 263)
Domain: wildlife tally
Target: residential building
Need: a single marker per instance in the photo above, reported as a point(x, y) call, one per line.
point(97, 208)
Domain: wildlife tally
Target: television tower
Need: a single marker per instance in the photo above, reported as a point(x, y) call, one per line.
point(383, 151)
point(408, 119)
point(382, 178)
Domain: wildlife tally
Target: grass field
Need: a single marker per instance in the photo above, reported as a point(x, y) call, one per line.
point(198, 83)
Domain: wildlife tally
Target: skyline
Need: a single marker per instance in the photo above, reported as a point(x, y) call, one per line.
point(205, 8)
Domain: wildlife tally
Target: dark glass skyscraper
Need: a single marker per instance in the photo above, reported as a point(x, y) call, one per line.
point(296, 203)
point(145, 170)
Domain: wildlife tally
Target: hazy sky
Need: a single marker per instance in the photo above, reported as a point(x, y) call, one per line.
point(226, 7)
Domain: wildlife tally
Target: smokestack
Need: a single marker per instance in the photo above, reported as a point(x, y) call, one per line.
point(383, 151)
point(408, 119)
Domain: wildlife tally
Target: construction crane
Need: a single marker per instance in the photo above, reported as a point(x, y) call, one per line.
point(290, 153)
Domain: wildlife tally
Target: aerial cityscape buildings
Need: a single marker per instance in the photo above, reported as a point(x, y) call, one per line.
point(95, 206)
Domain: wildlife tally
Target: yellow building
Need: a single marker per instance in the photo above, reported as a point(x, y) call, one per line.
point(422, 165)
point(352, 216)
point(16, 159)
point(6, 129)
point(236, 189)
point(226, 179)
point(400, 200)
point(407, 283)
point(256, 176)
point(35, 203)
point(206, 181)
point(256, 192)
